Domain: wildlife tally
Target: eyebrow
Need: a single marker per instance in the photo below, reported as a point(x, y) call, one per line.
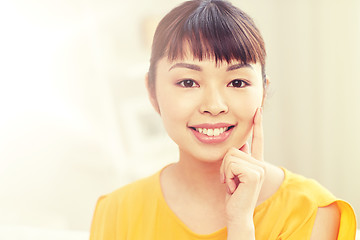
point(186, 65)
point(238, 66)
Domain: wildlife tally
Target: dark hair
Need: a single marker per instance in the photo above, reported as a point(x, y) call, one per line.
point(212, 29)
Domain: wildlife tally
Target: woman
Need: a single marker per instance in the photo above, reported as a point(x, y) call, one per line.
point(207, 81)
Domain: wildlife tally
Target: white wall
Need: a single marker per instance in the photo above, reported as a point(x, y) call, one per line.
point(73, 103)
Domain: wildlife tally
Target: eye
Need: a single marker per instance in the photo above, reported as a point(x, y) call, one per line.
point(188, 83)
point(237, 83)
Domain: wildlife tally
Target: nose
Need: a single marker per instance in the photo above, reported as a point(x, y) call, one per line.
point(213, 102)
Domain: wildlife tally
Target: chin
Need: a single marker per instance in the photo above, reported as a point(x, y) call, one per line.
point(210, 156)
point(209, 153)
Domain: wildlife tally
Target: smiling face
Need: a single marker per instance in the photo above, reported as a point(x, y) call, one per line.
point(197, 81)
point(207, 108)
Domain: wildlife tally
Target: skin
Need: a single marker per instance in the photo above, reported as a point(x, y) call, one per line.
point(226, 178)
point(207, 101)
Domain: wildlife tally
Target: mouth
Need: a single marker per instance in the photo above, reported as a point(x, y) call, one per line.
point(212, 132)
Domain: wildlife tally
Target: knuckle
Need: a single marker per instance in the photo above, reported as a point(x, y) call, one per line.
point(256, 176)
point(233, 150)
point(262, 171)
point(262, 167)
point(226, 161)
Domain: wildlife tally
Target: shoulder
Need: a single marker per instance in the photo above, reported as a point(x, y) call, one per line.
point(128, 197)
point(132, 191)
point(295, 205)
point(116, 210)
point(284, 185)
point(317, 206)
point(306, 190)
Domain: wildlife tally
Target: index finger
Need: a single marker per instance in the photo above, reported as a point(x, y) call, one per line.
point(257, 144)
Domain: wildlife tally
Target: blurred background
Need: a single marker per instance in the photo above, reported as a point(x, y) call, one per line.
point(75, 121)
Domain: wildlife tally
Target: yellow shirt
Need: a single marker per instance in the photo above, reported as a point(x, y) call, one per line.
point(138, 211)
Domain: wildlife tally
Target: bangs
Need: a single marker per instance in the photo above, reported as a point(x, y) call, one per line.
point(207, 29)
point(214, 30)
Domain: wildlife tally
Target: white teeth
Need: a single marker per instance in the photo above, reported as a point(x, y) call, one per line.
point(212, 131)
point(222, 130)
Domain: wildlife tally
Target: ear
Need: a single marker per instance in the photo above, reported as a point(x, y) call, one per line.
point(151, 94)
point(266, 87)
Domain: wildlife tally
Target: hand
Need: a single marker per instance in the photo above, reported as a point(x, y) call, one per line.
point(243, 173)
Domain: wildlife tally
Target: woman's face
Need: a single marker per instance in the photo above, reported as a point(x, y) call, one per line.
point(207, 108)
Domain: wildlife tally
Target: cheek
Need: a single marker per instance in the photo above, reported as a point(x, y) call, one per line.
point(175, 113)
point(244, 110)
point(245, 106)
point(174, 109)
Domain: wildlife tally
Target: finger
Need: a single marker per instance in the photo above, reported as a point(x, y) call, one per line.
point(237, 172)
point(223, 163)
point(245, 148)
point(230, 176)
point(222, 176)
point(222, 169)
point(236, 155)
point(249, 183)
point(231, 152)
point(257, 145)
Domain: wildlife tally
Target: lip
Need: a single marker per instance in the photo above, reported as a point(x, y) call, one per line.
point(212, 125)
point(212, 139)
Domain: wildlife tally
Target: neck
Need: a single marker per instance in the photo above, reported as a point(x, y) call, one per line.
point(201, 177)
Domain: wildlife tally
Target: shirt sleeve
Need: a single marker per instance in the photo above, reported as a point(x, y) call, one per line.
point(303, 198)
point(347, 228)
